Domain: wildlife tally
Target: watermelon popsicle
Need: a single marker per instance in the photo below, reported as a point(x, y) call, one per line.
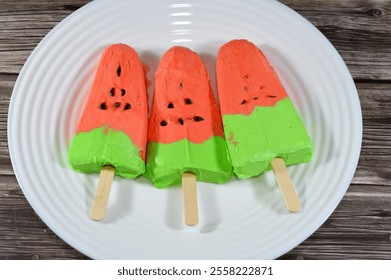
point(261, 125)
point(185, 137)
point(112, 131)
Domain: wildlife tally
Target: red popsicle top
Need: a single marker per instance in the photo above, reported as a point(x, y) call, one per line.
point(118, 97)
point(183, 103)
point(246, 79)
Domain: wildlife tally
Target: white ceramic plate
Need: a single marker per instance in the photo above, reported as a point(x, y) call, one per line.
point(239, 220)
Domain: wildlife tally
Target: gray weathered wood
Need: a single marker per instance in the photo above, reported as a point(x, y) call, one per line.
point(360, 30)
point(360, 227)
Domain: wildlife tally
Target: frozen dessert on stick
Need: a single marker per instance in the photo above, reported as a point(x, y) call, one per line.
point(185, 138)
point(261, 125)
point(112, 131)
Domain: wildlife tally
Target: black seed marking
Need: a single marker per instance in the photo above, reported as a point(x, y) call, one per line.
point(180, 86)
point(112, 92)
point(103, 106)
point(181, 122)
point(256, 98)
point(261, 87)
point(117, 104)
point(127, 106)
point(246, 76)
point(123, 92)
point(243, 102)
point(198, 118)
point(188, 101)
point(119, 71)
point(170, 105)
point(271, 96)
point(163, 123)
point(245, 88)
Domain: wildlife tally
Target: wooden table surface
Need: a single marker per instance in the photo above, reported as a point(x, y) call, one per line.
point(360, 227)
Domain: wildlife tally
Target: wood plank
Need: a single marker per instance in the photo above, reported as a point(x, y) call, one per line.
point(375, 160)
point(22, 233)
point(7, 82)
point(359, 30)
point(5, 162)
point(24, 24)
point(24, 236)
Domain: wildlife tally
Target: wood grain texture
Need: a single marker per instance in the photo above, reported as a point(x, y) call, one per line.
point(359, 228)
point(102, 194)
point(360, 30)
point(24, 24)
point(190, 200)
point(287, 189)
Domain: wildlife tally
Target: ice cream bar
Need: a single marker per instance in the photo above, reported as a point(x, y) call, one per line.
point(185, 130)
point(260, 121)
point(112, 130)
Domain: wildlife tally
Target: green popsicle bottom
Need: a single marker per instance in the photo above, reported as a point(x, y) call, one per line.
point(167, 162)
point(101, 146)
point(268, 132)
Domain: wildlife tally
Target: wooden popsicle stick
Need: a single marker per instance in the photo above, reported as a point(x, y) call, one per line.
point(287, 189)
point(99, 204)
point(189, 189)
